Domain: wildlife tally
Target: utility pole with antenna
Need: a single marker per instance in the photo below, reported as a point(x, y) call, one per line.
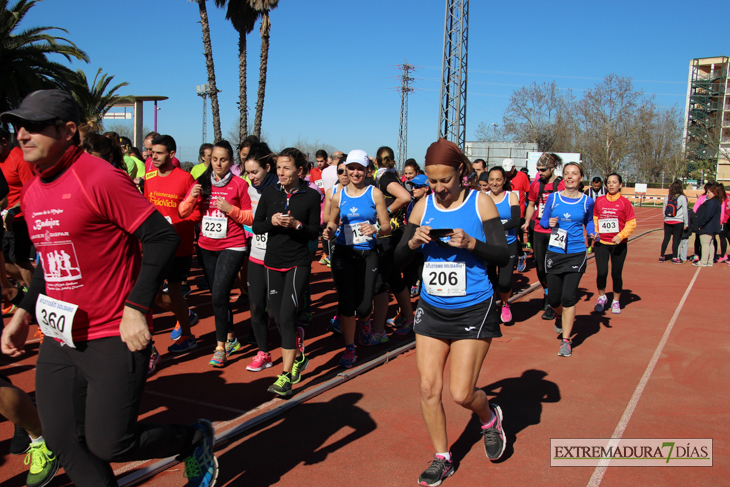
point(452, 105)
point(405, 89)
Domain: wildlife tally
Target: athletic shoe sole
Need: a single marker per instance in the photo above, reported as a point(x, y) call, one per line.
point(438, 482)
point(265, 366)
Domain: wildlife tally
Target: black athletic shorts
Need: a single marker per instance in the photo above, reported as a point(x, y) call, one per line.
point(481, 320)
point(180, 268)
point(556, 263)
point(17, 244)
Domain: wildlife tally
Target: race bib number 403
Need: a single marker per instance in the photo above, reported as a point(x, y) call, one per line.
point(608, 225)
point(444, 278)
point(56, 317)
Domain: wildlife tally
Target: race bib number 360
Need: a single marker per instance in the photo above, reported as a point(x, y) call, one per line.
point(56, 317)
point(608, 225)
point(215, 227)
point(444, 278)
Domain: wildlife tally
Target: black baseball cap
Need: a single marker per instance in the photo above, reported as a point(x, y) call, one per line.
point(45, 105)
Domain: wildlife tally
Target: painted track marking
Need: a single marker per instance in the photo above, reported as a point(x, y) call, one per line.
point(600, 470)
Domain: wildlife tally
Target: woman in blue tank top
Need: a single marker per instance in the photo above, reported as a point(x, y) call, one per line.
point(567, 213)
point(508, 206)
point(459, 231)
point(355, 210)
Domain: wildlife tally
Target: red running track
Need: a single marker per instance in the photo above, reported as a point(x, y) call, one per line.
point(369, 430)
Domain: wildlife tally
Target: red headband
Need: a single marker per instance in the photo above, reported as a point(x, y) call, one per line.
point(444, 152)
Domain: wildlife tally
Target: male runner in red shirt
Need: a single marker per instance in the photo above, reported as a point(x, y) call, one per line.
point(166, 187)
point(91, 293)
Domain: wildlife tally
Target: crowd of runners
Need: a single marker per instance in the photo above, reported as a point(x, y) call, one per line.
point(94, 246)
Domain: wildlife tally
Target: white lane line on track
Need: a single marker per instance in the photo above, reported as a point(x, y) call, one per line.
point(600, 470)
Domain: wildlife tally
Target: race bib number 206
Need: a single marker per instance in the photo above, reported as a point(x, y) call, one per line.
point(444, 278)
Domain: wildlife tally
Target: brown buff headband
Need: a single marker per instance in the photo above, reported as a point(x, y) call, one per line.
point(444, 152)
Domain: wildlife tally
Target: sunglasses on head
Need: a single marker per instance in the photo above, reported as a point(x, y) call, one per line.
point(32, 127)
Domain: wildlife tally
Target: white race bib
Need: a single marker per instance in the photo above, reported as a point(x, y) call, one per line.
point(169, 220)
point(444, 278)
point(259, 241)
point(608, 225)
point(56, 318)
point(353, 235)
point(540, 207)
point(558, 238)
point(215, 227)
point(319, 183)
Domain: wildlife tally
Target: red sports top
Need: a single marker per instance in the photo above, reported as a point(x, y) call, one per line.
point(534, 190)
point(521, 184)
point(166, 193)
point(620, 208)
point(82, 225)
point(17, 172)
point(236, 193)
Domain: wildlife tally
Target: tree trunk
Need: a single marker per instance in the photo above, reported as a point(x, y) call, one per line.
point(242, 96)
point(265, 29)
point(211, 70)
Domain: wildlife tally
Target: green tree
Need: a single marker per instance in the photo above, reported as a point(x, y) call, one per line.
point(263, 7)
point(24, 56)
point(96, 99)
point(243, 17)
point(208, 47)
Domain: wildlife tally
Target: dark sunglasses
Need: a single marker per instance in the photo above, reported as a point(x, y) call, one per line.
point(31, 126)
point(340, 171)
point(543, 169)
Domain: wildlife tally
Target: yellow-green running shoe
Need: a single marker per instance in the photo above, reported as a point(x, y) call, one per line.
point(43, 465)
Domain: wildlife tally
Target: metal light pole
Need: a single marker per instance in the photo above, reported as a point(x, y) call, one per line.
point(203, 92)
point(452, 105)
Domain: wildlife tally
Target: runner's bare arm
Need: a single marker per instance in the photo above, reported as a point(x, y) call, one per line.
point(528, 214)
point(15, 333)
point(334, 221)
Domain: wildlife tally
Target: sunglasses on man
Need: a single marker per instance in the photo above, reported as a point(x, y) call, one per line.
point(32, 127)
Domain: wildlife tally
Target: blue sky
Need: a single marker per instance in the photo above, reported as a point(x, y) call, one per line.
point(332, 64)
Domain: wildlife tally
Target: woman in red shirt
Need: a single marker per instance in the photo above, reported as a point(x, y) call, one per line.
point(225, 206)
point(614, 220)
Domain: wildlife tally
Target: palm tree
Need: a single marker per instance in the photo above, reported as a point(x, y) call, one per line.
point(211, 69)
point(263, 7)
point(24, 63)
point(96, 99)
point(243, 17)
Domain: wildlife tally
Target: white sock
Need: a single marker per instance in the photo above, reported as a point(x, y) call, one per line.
point(615, 301)
point(37, 440)
point(446, 455)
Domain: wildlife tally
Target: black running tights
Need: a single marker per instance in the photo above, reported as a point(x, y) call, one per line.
point(221, 269)
point(355, 274)
point(617, 255)
point(539, 247)
point(88, 400)
point(673, 231)
point(563, 288)
point(501, 277)
point(286, 294)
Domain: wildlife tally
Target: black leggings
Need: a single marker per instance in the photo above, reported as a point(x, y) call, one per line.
point(563, 288)
point(257, 302)
point(675, 232)
point(286, 295)
point(539, 247)
point(414, 270)
point(723, 239)
point(617, 255)
point(355, 273)
point(502, 277)
point(221, 268)
point(390, 274)
point(88, 400)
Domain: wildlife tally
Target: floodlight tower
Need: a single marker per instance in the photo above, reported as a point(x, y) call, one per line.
point(404, 89)
point(203, 92)
point(452, 106)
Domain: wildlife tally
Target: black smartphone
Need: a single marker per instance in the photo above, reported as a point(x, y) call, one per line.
point(436, 233)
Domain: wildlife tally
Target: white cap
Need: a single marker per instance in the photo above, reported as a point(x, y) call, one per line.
point(508, 165)
point(357, 156)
